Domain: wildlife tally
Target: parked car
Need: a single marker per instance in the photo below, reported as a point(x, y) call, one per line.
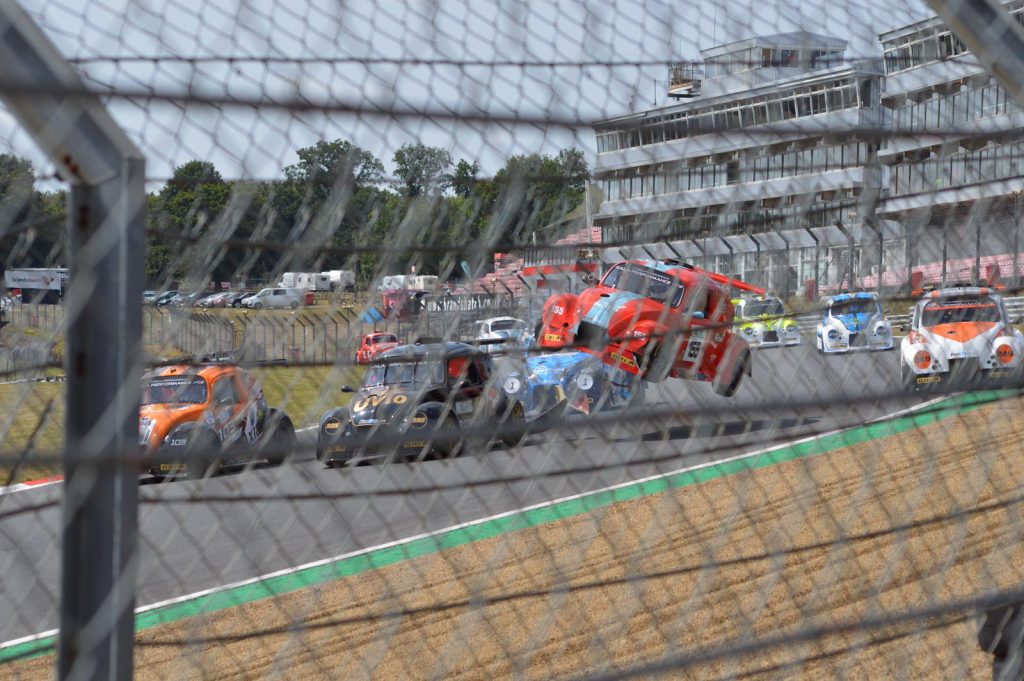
point(195, 419)
point(165, 299)
point(275, 298)
point(235, 298)
point(656, 319)
point(149, 297)
point(211, 300)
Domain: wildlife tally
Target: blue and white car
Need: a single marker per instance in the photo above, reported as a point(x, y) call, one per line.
point(853, 321)
point(548, 383)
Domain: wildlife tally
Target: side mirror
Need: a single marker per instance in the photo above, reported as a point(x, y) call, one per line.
point(347, 389)
point(698, 315)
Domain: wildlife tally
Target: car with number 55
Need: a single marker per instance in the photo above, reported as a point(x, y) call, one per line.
point(657, 319)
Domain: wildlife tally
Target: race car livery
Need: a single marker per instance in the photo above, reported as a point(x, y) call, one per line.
point(549, 384)
point(413, 403)
point(195, 419)
point(655, 319)
point(960, 336)
point(853, 321)
point(373, 345)
point(764, 324)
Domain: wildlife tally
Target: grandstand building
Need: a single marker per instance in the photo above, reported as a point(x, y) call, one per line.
point(954, 158)
point(764, 166)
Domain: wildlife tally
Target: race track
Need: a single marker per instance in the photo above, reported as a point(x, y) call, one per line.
point(191, 542)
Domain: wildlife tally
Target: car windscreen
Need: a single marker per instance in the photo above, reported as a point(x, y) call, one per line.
point(646, 282)
point(404, 373)
point(383, 339)
point(855, 306)
point(174, 390)
point(956, 310)
point(506, 325)
point(756, 308)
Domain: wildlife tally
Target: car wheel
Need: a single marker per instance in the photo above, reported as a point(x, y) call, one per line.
point(294, 305)
point(740, 368)
point(907, 378)
point(661, 360)
point(450, 448)
point(257, 306)
point(201, 459)
point(514, 419)
point(281, 443)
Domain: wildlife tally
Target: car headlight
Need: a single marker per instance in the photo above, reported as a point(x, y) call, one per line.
point(146, 426)
point(833, 334)
point(585, 381)
point(749, 331)
point(882, 330)
point(332, 426)
point(512, 385)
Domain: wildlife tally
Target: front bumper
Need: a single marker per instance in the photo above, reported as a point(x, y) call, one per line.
point(363, 443)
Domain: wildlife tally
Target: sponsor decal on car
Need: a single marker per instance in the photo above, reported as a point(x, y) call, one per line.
point(417, 444)
point(553, 337)
point(628, 361)
point(934, 378)
point(377, 400)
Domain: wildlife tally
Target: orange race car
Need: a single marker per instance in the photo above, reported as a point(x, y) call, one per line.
point(656, 319)
point(195, 419)
point(374, 345)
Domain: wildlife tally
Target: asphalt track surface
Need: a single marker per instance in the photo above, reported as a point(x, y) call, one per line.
point(191, 541)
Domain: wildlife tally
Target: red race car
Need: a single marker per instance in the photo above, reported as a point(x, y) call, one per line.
point(374, 345)
point(657, 319)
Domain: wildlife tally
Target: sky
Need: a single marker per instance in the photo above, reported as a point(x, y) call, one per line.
point(568, 61)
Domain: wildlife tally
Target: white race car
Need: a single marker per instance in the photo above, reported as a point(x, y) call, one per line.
point(963, 336)
point(853, 321)
point(503, 334)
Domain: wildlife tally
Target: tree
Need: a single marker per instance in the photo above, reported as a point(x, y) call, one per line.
point(463, 179)
point(422, 168)
point(32, 233)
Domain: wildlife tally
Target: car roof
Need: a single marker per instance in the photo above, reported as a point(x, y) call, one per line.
point(418, 352)
point(859, 295)
point(208, 371)
point(959, 291)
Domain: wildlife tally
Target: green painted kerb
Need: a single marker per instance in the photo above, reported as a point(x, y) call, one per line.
point(283, 584)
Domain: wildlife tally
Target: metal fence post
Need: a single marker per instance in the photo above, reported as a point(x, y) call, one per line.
point(103, 359)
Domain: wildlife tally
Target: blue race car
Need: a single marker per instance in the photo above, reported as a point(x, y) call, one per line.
point(853, 321)
point(549, 384)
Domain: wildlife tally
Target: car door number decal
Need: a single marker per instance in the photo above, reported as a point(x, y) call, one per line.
point(694, 346)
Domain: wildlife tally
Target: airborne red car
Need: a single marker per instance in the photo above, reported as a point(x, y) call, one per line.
point(373, 345)
point(657, 319)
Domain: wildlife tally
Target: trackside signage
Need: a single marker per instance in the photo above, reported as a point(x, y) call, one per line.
point(38, 279)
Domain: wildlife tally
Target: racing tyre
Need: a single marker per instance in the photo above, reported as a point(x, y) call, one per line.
point(281, 443)
point(453, 447)
point(661, 360)
point(201, 460)
point(513, 417)
point(257, 306)
point(907, 378)
point(294, 305)
point(741, 367)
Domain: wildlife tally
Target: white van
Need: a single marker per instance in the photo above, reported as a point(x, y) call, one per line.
point(276, 298)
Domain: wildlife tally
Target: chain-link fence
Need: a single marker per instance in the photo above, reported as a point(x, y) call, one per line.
point(453, 339)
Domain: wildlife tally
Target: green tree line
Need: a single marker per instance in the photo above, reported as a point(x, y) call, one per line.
point(334, 208)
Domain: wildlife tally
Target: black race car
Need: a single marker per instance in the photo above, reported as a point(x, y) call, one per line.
point(415, 401)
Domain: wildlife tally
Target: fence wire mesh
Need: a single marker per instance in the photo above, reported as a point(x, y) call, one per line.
point(577, 340)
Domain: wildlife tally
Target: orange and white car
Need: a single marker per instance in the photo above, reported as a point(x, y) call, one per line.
point(195, 419)
point(961, 336)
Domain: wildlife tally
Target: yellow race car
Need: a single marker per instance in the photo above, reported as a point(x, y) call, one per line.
point(764, 324)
